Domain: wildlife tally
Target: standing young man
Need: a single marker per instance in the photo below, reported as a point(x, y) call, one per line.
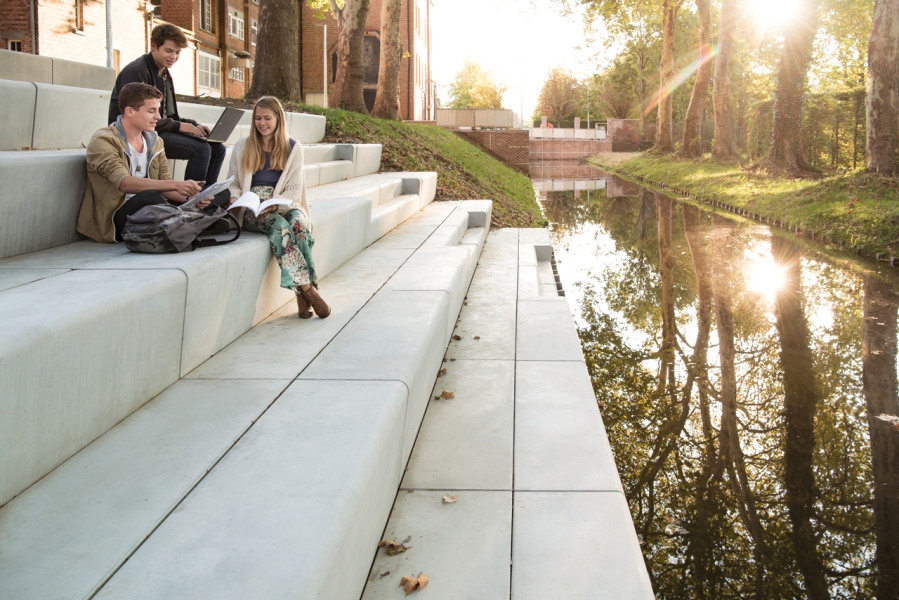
point(181, 136)
point(127, 168)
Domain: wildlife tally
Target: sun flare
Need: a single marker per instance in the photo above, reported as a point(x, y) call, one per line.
point(764, 276)
point(772, 13)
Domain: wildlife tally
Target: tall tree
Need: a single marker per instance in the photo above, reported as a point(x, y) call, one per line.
point(275, 72)
point(387, 101)
point(476, 87)
point(882, 88)
point(664, 131)
point(724, 147)
point(691, 143)
point(350, 50)
point(560, 97)
point(789, 96)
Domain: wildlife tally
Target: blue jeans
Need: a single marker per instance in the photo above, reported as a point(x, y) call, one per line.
point(204, 159)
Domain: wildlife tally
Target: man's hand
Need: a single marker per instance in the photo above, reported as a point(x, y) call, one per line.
point(195, 130)
point(187, 188)
point(204, 202)
point(206, 131)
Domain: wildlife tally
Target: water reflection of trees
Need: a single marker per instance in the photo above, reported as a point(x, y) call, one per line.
point(742, 424)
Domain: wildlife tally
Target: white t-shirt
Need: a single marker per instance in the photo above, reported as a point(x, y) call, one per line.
point(139, 164)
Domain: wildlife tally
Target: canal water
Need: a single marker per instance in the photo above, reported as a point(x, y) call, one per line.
point(748, 383)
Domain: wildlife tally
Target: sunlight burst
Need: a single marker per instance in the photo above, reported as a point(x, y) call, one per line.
point(764, 276)
point(772, 13)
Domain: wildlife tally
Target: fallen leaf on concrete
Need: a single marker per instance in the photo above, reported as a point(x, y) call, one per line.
point(452, 359)
point(477, 337)
point(408, 539)
point(457, 337)
point(384, 574)
point(447, 395)
point(391, 547)
point(441, 372)
point(448, 499)
point(413, 584)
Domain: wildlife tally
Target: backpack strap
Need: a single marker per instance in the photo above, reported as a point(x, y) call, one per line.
point(207, 242)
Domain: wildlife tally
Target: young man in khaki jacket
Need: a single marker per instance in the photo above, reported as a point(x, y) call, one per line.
point(127, 168)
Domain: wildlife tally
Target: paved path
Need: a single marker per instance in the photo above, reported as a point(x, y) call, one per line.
point(539, 511)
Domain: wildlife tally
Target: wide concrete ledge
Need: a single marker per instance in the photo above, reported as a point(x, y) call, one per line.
point(463, 548)
point(397, 336)
point(81, 351)
point(546, 331)
point(560, 440)
point(577, 546)
point(302, 497)
point(54, 126)
point(41, 199)
point(17, 118)
point(20, 66)
point(87, 517)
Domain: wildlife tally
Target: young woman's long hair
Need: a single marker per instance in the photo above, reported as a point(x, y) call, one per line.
point(254, 156)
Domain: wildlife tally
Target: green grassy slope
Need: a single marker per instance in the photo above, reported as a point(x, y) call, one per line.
point(464, 172)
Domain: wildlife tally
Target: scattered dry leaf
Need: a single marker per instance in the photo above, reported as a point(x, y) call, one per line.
point(408, 539)
point(413, 584)
point(441, 372)
point(891, 419)
point(391, 547)
point(452, 359)
point(601, 405)
point(477, 337)
point(447, 395)
point(876, 351)
point(457, 337)
point(448, 499)
point(384, 574)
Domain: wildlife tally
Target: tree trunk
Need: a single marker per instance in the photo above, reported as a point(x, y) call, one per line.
point(725, 145)
point(387, 101)
point(882, 82)
point(789, 96)
point(275, 72)
point(350, 49)
point(691, 144)
point(664, 135)
point(880, 389)
point(800, 405)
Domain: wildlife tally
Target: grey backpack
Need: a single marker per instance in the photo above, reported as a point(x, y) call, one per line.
point(167, 229)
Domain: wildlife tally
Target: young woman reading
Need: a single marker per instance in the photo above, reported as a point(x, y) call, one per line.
point(270, 164)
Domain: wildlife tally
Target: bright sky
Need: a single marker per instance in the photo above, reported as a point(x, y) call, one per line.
point(520, 40)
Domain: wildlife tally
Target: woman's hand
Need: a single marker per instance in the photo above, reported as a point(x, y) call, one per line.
point(204, 203)
point(232, 200)
point(270, 209)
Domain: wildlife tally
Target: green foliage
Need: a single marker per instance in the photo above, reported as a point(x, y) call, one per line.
point(476, 87)
point(464, 172)
point(858, 209)
point(562, 98)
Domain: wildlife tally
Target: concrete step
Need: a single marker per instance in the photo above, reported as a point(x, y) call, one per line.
point(301, 476)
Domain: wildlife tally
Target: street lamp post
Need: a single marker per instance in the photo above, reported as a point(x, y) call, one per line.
point(325, 70)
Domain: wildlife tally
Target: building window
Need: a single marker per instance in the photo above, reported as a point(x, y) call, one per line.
point(206, 15)
point(235, 23)
point(237, 74)
point(157, 8)
point(209, 73)
point(14, 45)
point(254, 31)
point(79, 15)
point(371, 59)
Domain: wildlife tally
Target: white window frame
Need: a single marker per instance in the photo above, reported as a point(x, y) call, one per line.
point(236, 23)
point(206, 16)
point(237, 74)
point(254, 31)
point(209, 74)
point(11, 43)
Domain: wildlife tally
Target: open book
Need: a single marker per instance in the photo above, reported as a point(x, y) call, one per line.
point(251, 200)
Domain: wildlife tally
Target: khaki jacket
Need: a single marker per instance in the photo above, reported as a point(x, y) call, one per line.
point(108, 164)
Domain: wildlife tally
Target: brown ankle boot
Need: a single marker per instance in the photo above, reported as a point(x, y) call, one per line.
point(318, 303)
point(303, 308)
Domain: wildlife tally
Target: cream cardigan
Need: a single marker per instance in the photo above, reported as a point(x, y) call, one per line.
point(291, 184)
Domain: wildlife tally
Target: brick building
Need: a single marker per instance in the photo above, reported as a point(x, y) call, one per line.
point(222, 36)
point(417, 89)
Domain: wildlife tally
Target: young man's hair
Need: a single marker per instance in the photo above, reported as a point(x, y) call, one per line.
point(164, 32)
point(135, 94)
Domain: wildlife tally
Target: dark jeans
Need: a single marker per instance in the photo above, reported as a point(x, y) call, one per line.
point(204, 159)
point(149, 197)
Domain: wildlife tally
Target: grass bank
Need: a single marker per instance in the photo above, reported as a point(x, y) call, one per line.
point(464, 172)
point(857, 210)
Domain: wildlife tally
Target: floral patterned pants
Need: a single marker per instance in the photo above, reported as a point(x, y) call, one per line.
point(291, 241)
